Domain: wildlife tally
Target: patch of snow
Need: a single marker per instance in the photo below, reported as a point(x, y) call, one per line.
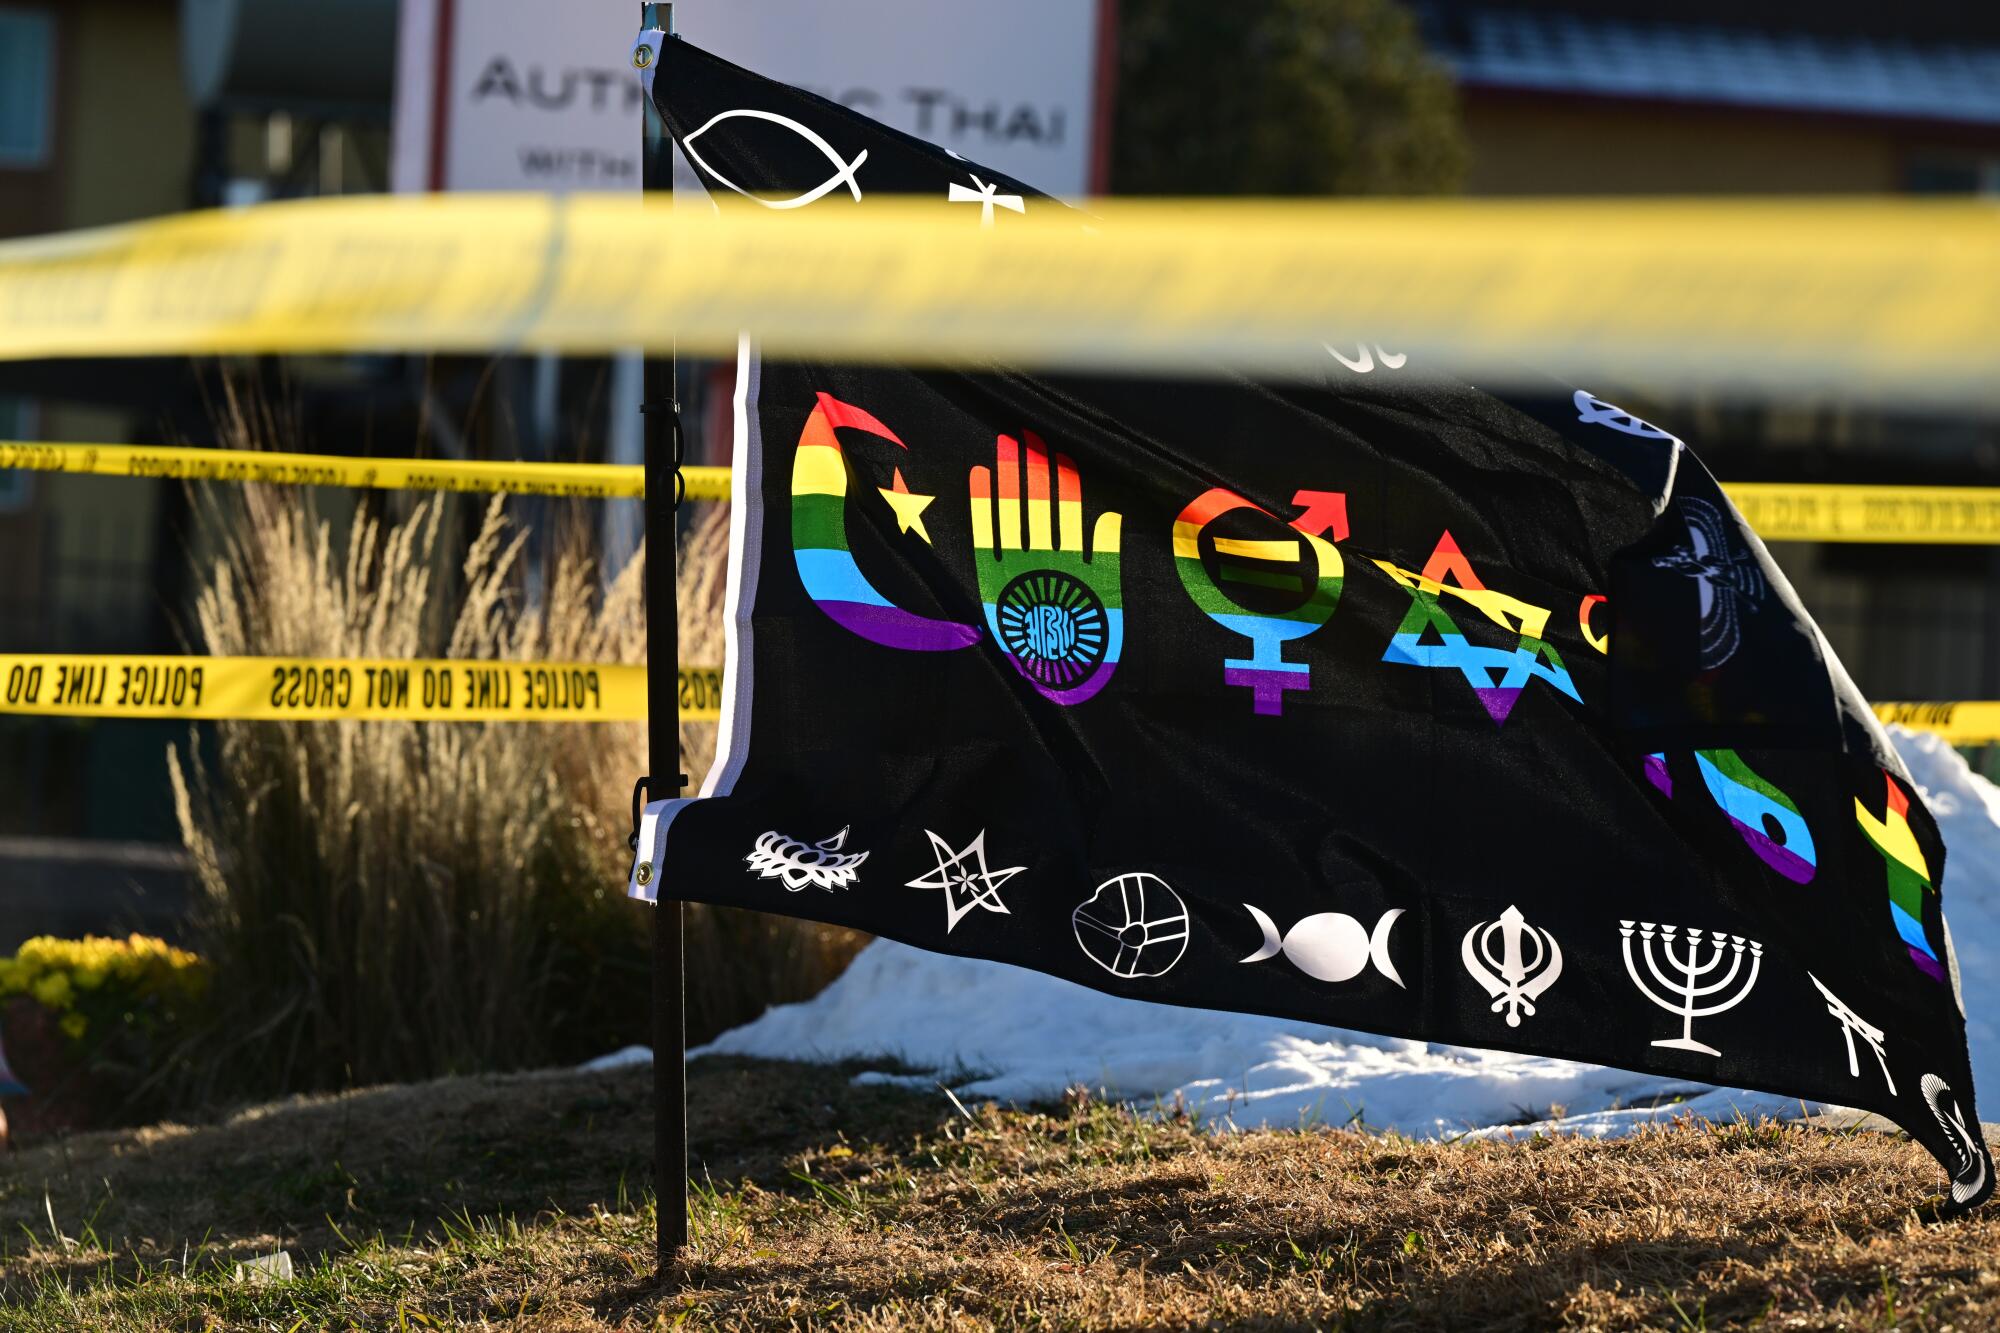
point(619, 1059)
point(989, 1030)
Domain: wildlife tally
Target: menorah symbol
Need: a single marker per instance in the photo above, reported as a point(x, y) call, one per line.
point(1686, 985)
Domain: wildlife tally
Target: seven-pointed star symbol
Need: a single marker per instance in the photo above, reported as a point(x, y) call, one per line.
point(966, 881)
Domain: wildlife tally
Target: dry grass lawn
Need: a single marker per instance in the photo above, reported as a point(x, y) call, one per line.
point(522, 1203)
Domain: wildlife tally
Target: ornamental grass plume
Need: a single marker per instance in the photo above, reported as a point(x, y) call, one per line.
point(387, 901)
point(384, 901)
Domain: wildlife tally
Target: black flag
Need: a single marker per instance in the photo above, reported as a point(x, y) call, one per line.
point(1384, 702)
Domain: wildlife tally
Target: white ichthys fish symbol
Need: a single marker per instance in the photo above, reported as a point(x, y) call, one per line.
point(1329, 946)
point(843, 170)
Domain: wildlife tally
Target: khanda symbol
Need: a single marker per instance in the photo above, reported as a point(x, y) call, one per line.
point(1515, 979)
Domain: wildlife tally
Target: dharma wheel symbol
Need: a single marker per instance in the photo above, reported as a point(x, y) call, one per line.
point(1054, 627)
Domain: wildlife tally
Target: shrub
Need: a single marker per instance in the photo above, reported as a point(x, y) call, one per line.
point(92, 1020)
point(395, 901)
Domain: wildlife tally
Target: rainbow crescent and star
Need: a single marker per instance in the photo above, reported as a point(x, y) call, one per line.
point(819, 538)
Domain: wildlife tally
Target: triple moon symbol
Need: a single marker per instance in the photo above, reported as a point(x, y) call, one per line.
point(843, 170)
point(1054, 626)
point(1329, 946)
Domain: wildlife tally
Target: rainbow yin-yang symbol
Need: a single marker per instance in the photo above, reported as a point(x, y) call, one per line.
point(1765, 818)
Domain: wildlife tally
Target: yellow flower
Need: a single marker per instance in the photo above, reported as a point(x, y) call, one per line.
point(53, 991)
point(74, 1026)
point(54, 970)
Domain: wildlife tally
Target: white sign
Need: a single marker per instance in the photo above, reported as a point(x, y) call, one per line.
point(540, 95)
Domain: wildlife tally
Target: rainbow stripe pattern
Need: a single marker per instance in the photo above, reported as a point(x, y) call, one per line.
point(1909, 876)
point(1056, 614)
point(819, 541)
point(1497, 675)
point(1754, 806)
point(1265, 673)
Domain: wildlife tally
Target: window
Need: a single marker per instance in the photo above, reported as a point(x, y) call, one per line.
point(1939, 173)
point(27, 69)
point(17, 422)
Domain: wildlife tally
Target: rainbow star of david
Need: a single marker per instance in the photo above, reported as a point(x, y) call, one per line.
point(1497, 675)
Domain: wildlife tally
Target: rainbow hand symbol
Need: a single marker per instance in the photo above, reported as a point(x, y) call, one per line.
point(1053, 610)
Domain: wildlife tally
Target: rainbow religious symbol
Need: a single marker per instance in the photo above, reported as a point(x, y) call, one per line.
point(1766, 819)
point(1056, 612)
point(820, 546)
point(1270, 565)
point(1428, 637)
point(1910, 883)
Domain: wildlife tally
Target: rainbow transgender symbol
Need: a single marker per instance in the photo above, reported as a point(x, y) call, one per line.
point(1265, 672)
point(1497, 675)
point(1758, 810)
point(819, 539)
point(1055, 612)
point(1909, 876)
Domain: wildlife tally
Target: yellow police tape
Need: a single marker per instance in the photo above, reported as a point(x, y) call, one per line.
point(293, 689)
point(1779, 511)
point(1899, 297)
point(1940, 515)
point(1975, 723)
point(304, 689)
point(598, 481)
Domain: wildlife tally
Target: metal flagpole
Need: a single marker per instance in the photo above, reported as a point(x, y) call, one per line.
point(663, 735)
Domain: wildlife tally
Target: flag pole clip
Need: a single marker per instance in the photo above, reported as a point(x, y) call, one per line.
point(672, 407)
point(640, 790)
